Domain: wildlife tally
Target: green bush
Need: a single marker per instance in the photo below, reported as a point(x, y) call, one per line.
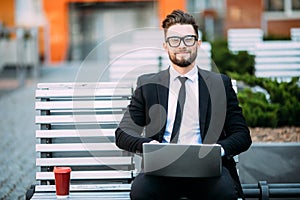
point(287, 95)
point(257, 110)
point(283, 107)
point(227, 62)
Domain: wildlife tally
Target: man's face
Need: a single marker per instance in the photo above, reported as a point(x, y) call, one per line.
point(182, 54)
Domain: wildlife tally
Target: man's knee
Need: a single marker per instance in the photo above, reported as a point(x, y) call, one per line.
point(140, 190)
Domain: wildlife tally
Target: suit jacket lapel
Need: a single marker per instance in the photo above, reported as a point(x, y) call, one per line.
point(162, 89)
point(203, 103)
point(162, 86)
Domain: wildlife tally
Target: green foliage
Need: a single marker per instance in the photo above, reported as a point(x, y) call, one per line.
point(276, 37)
point(226, 61)
point(283, 107)
point(287, 95)
point(257, 110)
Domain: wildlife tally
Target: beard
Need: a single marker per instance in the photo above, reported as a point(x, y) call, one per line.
point(183, 62)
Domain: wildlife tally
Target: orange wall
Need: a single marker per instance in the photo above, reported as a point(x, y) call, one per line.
point(167, 6)
point(242, 14)
point(56, 12)
point(282, 27)
point(7, 12)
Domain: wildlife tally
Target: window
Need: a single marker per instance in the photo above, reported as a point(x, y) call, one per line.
point(296, 5)
point(274, 5)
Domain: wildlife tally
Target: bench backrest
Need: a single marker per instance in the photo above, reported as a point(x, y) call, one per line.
point(243, 39)
point(295, 34)
point(76, 124)
point(277, 59)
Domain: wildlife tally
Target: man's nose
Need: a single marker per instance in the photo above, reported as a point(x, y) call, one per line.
point(181, 44)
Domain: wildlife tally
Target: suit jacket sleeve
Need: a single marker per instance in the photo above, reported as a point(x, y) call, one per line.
point(236, 135)
point(128, 134)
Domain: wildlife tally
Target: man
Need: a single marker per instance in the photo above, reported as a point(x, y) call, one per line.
point(210, 114)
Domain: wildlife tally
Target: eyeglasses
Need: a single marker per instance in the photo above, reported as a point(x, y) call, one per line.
point(188, 40)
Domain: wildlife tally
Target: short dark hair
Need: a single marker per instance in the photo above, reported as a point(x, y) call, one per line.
point(179, 17)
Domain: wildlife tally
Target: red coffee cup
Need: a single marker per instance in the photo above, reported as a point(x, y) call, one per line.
point(62, 181)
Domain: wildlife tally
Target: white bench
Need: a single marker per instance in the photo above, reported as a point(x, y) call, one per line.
point(243, 39)
point(295, 34)
point(277, 59)
point(76, 124)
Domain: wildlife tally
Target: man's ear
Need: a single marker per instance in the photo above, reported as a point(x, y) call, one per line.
point(199, 43)
point(165, 46)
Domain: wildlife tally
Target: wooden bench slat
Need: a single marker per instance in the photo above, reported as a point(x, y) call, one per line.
point(267, 53)
point(280, 59)
point(84, 161)
point(105, 92)
point(89, 175)
point(83, 85)
point(82, 133)
point(280, 66)
point(87, 187)
point(85, 195)
point(76, 147)
point(93, 118)
point(74, 105)
point(268, 73)
point(277, 45)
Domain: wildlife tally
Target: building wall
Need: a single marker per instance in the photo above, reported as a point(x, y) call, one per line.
point(243, 14)
point(57, 14)
point(167, 6)
point(282, 27)
point(7, 12)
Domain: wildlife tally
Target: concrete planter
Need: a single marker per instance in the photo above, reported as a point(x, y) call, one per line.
point(271, 162)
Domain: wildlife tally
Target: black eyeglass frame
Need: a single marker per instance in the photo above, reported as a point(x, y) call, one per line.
point(182, 40)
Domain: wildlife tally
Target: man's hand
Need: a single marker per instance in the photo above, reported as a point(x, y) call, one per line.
point(154, 142)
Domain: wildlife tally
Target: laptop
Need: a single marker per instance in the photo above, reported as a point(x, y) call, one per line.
point(180, 160)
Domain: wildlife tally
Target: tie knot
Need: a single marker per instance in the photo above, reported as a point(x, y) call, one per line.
point(182, 79)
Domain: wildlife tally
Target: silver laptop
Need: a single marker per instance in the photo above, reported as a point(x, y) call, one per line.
point(178, 160)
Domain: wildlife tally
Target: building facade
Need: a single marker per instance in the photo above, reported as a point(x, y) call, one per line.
point(71, 28)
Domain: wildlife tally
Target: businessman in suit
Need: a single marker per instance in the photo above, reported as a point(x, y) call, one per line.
point(187, 105)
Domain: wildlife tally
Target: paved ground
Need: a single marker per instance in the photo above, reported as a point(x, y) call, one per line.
point(17, 129)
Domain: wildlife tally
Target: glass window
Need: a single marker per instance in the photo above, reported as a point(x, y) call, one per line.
point(274, 5)
point(295, 4)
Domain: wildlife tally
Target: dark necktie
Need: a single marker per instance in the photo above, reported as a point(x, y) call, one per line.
point(179, 110)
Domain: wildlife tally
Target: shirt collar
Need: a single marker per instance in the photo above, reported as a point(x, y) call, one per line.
point(191, 75)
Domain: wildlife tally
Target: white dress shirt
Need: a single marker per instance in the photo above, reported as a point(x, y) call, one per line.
point(189, 132)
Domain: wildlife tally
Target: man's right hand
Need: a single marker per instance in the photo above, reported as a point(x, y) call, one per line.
point(154, 142)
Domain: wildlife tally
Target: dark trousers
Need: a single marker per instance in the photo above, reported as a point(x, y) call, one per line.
point(146, 187)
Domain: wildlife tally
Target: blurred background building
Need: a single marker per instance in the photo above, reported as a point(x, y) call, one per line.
point(69, 29)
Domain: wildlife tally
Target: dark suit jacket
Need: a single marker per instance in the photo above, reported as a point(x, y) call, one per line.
point(220, 117)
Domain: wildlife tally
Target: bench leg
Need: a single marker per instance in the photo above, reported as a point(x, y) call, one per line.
point(30, 192)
